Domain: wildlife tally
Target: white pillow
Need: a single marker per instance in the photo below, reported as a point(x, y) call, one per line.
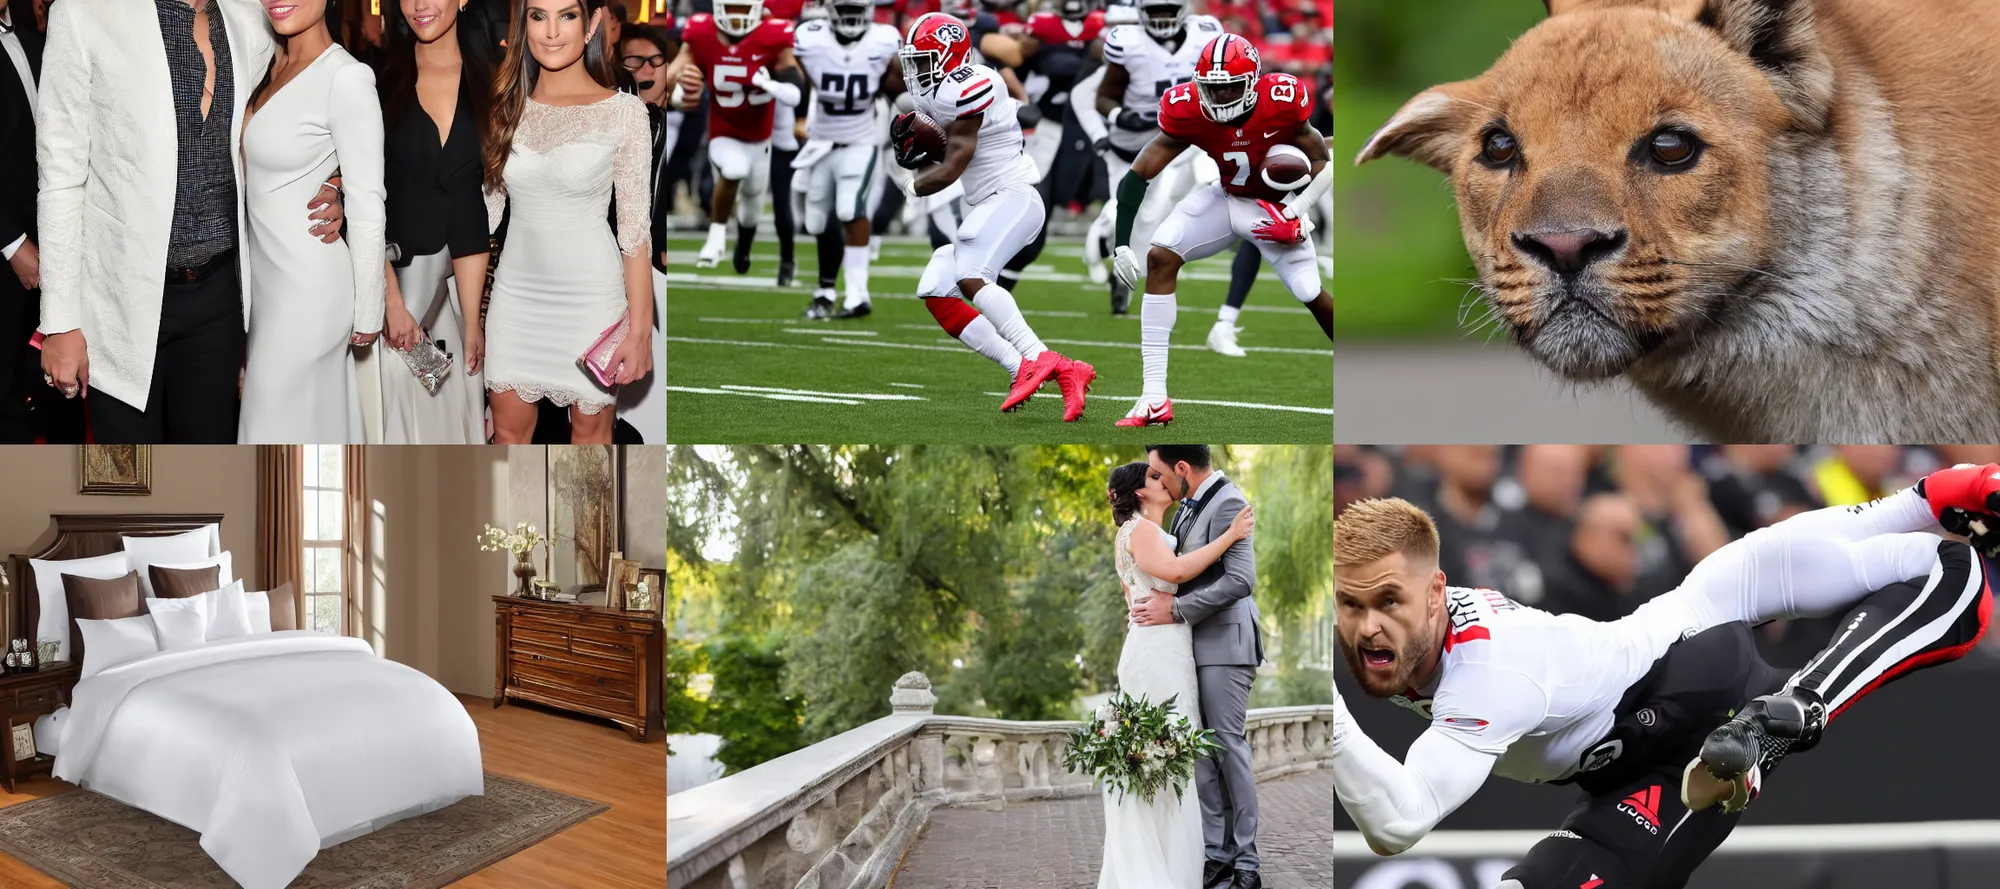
point(173, 549)
point(229, 614)
point(179, 622)
point(54, 619)
point(259, 607)
point(222, 576)
point(108, 643)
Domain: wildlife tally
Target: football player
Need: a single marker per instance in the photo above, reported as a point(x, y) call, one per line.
point(847, 59)
point(984, 153)
point(1236, 114)
point(743, 61)
point(1141, 62)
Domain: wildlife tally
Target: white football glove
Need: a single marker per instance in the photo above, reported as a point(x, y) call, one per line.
point(1125, 265)
point(909, 186)
point(785, 93)
point(811, 153)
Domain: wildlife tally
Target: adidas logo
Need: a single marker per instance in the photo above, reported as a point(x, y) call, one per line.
point(1644, 807)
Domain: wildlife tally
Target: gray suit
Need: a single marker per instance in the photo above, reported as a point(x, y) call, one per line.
point(1228, 646)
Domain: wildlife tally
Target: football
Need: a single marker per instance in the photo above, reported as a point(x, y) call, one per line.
point(929, 136)
point(1286, 168)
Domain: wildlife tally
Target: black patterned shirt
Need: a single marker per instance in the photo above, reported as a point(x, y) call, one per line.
point(204, 183)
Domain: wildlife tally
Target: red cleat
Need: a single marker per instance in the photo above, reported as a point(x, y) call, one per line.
point(1144, 414)
point(1030, 378)
point(1075, 379)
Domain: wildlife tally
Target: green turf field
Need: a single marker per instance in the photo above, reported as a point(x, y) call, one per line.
point(743, 364)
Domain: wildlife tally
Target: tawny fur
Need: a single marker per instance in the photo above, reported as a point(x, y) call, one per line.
point(1827, 271)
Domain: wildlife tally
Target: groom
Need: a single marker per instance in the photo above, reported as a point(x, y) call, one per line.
point(1228, 646)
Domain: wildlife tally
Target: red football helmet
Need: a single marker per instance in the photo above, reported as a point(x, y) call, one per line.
point(937, 45)
point(1226, 78)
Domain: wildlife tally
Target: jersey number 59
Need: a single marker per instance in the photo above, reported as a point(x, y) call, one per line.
point(731, 82)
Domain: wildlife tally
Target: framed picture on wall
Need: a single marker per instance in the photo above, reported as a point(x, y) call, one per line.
point(114, 469)
point(585, 504)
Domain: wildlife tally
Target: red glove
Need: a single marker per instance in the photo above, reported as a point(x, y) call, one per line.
point(1970, 488)
point(1279, 230)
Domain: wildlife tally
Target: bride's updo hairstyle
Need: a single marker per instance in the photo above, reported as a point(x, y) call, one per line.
point(1123, 491)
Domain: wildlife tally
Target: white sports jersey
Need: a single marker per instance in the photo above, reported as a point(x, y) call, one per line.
point(1001, 158)
point(1538, 689)
point(1152, 69)
point(845, 78)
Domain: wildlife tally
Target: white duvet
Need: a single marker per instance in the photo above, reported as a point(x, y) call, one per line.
point(271, 746)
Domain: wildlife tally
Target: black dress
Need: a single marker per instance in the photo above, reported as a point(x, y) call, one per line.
point(435, 201)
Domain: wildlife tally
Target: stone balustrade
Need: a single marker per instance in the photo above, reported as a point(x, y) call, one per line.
point(838, 814)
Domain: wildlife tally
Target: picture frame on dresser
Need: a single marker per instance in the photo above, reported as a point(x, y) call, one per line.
point(24, 741)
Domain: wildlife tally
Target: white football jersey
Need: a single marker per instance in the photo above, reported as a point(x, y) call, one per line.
point(845, 78)
point(1538, 689)
point(1001, 158)
point(1152, 69)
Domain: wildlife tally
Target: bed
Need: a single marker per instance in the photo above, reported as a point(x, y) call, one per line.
point(272, 745)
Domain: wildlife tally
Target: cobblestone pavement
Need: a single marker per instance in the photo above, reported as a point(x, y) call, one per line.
point(1057, 844)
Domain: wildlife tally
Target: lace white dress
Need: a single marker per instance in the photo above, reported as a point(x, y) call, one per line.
point(1153, 845)
point(560, 280)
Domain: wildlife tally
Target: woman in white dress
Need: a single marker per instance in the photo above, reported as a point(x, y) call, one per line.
point(1156, 845)
point(310, 301)
point(561, 145)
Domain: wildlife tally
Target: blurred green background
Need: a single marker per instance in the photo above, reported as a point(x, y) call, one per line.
point(1397, 247)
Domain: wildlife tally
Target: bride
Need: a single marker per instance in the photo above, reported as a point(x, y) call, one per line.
point(1156, 845)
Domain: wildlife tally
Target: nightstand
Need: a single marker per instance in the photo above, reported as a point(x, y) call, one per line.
point(24, 697)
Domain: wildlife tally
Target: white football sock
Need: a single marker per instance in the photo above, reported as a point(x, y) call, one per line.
point(993, 301)
point(1227, 314)
point(1156, 326)
point(855, 264)
point(983, 338)
point(718, 234)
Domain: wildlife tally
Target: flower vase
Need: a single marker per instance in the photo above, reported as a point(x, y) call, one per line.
point(524, 571)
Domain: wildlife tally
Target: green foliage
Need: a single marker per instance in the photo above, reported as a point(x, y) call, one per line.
point(1397, 247)
point(756, 723)
point(685, 711)
point(855, 614)
point(1134, 747)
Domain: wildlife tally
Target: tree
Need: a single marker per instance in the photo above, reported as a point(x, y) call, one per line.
point(756, 724)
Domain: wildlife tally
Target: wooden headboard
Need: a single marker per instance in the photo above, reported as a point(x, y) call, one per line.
point(80, 537)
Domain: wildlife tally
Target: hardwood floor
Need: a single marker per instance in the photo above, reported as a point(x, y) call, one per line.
point(624, 848)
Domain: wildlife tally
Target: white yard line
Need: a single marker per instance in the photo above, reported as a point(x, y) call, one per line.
point(832, 336)
point(867, 396)
point(1247, 405)
point(766, 395)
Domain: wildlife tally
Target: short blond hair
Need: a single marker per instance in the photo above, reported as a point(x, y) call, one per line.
point(1372, 529)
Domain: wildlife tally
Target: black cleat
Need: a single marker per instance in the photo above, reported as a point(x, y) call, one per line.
point(1751, 744)
point(740, 258)
point(860, 311)
point(786, 270)
point(822, 308)
point(1121, 297)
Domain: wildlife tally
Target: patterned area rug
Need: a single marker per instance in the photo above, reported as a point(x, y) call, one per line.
point(93, 842)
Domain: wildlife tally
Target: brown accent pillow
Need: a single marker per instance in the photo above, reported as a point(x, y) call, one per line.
point(92, 599)
point(182, 583)
point(284, 608)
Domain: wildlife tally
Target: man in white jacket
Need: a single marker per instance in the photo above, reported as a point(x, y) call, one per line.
point(1672, 697)
point(140, 127)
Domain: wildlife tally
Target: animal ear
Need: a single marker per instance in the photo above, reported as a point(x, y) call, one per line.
point(1429, 129)
point(1780, 37)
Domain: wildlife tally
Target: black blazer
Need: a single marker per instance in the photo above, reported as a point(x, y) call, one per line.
point(17, 135)
point(435, 198)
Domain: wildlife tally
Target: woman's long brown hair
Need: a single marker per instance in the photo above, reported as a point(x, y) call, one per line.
point(515, 81)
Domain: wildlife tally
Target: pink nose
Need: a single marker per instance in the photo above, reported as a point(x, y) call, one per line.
point(1568, 252)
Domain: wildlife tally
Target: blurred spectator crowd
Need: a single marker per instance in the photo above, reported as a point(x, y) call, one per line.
point(1598, 530)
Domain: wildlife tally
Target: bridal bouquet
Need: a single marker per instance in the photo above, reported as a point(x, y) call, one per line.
point(1135, 747)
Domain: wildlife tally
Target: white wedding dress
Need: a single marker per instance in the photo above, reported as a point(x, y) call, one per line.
point(1153, 845)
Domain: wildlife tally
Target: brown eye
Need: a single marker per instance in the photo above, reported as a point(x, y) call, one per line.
point(1499, 149)
point(1673, 148)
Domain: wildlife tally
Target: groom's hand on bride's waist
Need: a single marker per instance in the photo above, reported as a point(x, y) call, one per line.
point(1154, 611)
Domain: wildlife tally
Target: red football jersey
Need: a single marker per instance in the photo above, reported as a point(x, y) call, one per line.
point(1283, 105)
point(735, 108)
point(784, 9)
point(1051, 31)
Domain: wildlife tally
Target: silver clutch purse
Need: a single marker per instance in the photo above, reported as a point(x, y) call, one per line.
point(429, 363)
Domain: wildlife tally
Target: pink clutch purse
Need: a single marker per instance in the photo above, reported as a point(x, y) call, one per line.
point(596, 360)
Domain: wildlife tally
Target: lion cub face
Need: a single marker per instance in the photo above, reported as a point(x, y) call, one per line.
point(1611, 178)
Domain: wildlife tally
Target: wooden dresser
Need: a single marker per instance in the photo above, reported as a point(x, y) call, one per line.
point(24, 697)
point(583, 658)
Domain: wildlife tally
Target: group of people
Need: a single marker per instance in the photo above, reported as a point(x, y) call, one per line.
point(309, 263)
point(809, 110)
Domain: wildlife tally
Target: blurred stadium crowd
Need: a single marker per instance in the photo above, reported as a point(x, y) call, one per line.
point(1598, 530)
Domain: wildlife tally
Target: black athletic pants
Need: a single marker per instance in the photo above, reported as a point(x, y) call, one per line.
point(196, 365)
